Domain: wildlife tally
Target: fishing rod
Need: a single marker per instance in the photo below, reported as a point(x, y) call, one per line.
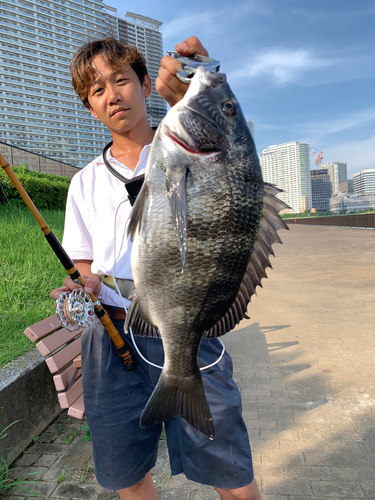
point(75, 309)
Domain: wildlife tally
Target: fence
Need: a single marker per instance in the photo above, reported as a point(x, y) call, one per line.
point(365, 221)
point(17, 156)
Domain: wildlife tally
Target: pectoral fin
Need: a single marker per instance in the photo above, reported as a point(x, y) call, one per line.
point(134, 320)
point(176, 190)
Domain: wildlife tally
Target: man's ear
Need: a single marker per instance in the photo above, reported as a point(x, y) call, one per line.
point(147, 86)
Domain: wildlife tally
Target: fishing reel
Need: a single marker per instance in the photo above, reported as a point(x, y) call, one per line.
point(75, 309)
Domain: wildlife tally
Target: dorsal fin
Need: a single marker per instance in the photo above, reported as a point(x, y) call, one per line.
point(270, 223)
point(136, 215)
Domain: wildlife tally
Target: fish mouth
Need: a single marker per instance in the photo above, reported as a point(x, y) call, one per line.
point(186, 142)
point(182, 143)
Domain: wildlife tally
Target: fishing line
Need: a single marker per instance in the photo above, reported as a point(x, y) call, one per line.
point(119, 292)
point(126, 309)
point(8, 200)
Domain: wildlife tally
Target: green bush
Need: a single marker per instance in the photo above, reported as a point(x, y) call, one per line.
point(46, 191)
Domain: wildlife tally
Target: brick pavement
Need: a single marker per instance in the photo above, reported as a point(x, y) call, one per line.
point(305, 367)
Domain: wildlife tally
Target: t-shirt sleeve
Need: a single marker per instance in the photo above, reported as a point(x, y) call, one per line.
point(77, 239)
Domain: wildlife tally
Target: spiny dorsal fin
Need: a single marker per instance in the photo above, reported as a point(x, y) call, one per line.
point(136, 215)
point(270, 223)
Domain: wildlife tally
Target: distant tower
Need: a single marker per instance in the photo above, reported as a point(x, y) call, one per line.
point(288, 167)
point(337, 171)
point(250, 124)
point(320, 189)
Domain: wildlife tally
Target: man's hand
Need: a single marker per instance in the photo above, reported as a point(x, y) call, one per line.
point(167, 84)
point(93, 285)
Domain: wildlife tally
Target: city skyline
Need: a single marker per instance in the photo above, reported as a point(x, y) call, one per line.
point(303, 72)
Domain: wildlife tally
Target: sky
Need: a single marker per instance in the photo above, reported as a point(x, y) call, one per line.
point(302, 70)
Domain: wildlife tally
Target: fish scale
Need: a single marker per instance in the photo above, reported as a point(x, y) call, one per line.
point(202, 229)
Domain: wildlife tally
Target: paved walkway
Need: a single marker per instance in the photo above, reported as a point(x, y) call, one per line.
point(305, 367)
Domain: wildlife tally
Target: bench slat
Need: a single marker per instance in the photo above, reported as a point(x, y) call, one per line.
point(67, 398)
point(62, 379)
point(42, 328)
point(77, 408)
point(77, 362)
point(50, 344)
point(49, 337)
point(64, 356)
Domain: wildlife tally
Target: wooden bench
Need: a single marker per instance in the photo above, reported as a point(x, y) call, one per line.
point(62, 351)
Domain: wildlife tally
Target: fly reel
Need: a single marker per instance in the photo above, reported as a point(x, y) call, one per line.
point(75, 309)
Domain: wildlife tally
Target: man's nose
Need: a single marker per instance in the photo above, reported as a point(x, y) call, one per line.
point(113, 94)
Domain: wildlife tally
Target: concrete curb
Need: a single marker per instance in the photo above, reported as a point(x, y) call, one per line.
point(28, 397)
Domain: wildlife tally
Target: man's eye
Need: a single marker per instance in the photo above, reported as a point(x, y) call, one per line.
point(97, 90)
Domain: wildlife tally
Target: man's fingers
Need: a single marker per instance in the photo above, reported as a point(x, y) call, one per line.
point(69, 285)
point(167, 84)
point(92, 285)
point(171, 88)
point(55, 294)
point(168, 69)
point(191, 46)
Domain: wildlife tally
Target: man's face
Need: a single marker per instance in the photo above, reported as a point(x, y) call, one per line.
point(117, 98)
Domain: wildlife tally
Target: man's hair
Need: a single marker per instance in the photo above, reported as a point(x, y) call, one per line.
point(116, 54)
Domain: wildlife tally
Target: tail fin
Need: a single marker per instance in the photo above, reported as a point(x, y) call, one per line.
point(174, 396)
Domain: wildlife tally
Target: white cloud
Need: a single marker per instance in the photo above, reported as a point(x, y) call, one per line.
point(321, 128)
point(359, 154)
point(283, 65)
point(330, 136)
point(214, 21)
point(174, 28)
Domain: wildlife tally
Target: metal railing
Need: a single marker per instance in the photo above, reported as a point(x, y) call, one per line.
point(18, 156)
point(362, 221)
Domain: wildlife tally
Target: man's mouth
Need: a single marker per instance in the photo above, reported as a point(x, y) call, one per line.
point(119, 110)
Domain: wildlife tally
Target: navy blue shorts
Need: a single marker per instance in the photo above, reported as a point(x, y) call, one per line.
point(114, 400)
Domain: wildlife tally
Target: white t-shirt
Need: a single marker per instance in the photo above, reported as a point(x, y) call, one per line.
point(93, 198)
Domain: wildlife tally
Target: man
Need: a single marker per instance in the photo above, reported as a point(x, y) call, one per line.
point(112, 81)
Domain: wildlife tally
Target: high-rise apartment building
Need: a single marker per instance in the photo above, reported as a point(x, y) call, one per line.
point(144, 33)
point(250, 124)
point(337, 171)
point(364, 181)
point(288, 167)
point(320, 189)
point(39, 110)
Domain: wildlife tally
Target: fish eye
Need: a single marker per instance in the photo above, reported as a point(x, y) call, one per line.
point(229, 108)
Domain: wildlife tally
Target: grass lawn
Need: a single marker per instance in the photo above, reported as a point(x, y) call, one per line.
point(29, 270)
